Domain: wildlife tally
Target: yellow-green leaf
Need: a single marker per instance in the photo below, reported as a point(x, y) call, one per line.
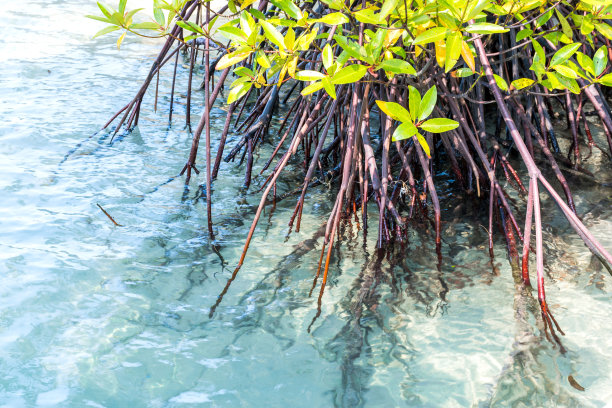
point(431, 35)
point(427, 103)
point(501, 82)
point(439, 125)
point(565, 71)
point(230, 59)
point(485, 28)
point(308, 75)
point(327, 56)
point(333, 19)
point(329, 87)
point(120, 40)
point(606, 80)
point(106, 30)
point(349, 74)
point(314, 87)
point(404, 131)
point(521, 83)
point(395, 111)
point(564, 53)
point(397, 66)
point(453, 50)
point(273, 35)
point(600, 60)
point(386, 9)
point(414, 102)
point(424, 144)
point(238, 91)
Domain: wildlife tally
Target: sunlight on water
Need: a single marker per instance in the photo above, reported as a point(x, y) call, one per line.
point(103, 316)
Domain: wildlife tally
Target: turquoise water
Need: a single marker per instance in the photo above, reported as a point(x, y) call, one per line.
point(103, 316)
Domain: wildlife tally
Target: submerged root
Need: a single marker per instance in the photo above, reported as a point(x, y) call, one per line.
point(345, 141)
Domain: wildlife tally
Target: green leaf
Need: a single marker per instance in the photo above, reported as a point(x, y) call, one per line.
point(246, 3)
point(397, 67)
point(149, 25)
point(565, 71)
point(567, 29)
point(587, 26)
point(273, 35)
point(423, 144)
point(334, 4)
point(463, 72)
point(262, 59)
point(404, 131)
point(543, 19)
point(366, 16)
point(232, 6)
point(386, 9)
point(103, 19)
point(188, 25)
point(427, 103)
point(439, 125)
point(586, 63)
point(122, 4)
point(333, 19)
point(238, 91)
point(605, 30)
point(431, 35)
point(453, 50)
point(521, 83)
point(414, 102)
point(327, 56)
point(606, 80)
point(257, 14)
point(233, 33)
point(597, 3)
point(117, 19)
point(108, 13)
point(540, 54)
point(304, 41)
point(351, 48)
point(485, 28)
point(159, 16)
point(395, 111)
point(600, 60)
point(106, 30)
point(349, 74)
point(568, 83)
point(242, 71)
point(289, 8)
point(289, 39)
point(521, 35)
point(230, 59)
point(329, 87)
point(377, 43)
point(501, 82)
point(564, 53)
point(130, 14)
point(314, 87)
point(475, 7)
point(308, 75)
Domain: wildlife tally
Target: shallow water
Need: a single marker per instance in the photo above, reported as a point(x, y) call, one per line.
point(103, 316)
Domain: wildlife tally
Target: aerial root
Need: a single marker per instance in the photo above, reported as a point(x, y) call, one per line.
point(347, 143)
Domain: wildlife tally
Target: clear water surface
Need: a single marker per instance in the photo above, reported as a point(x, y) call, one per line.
point(101, 316)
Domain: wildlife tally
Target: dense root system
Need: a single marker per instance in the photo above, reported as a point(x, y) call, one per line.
point(347, 141)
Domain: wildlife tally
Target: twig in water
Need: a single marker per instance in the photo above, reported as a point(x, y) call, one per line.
point(109, 216)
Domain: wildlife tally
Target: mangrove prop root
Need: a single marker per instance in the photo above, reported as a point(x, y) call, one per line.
point(342, 140)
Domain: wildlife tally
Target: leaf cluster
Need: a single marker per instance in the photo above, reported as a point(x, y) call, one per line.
point(336, 43)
